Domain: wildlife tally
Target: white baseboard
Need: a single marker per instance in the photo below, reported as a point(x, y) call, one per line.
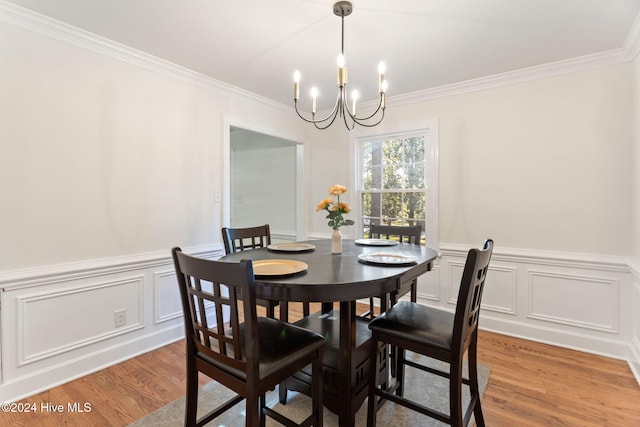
point(21, 387)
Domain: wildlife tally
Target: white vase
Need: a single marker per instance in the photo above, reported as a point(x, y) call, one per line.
point(336, 241)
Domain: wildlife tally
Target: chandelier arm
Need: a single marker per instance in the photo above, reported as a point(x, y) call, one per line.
point(362, 120)
point(374, 113)
point(353, 121)
point(331, 115)
point(370, 125)
point(333, 119)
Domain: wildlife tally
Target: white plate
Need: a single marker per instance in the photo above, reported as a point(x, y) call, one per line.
point(376, 242)
point(291, 247)
point(388, 258)
point(277, 267)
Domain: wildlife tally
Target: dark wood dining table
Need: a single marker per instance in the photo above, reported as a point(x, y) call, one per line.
point(343, 279)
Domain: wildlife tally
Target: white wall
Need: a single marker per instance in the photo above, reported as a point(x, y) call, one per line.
point(543, 168)
point(107, 163)
point(539, 165)
point(108, 159)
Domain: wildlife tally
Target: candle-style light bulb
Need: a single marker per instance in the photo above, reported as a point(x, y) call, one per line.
point(381, 70)
point(383, 101)
point(296, 85)
point(342, 71)
point(314, 95)
point(354, 96)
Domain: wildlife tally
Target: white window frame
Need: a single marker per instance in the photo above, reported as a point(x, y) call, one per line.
point(430, 130)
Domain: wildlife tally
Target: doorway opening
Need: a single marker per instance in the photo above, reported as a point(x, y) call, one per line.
point(265, 183)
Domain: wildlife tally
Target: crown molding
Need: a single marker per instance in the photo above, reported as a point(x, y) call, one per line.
point(632, 43)
point(602, 59)
point(626, 54)
point(32, 21)
point(44, 25)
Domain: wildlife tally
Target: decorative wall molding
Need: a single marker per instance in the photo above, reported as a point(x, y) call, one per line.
point(61, 273)
point(44, 25)
point(49, 27)
point(166, 298)
point(550, 258)
point(34, 325)
point(41, 348)
point(632, 43)
point(505, 281)
point(582, 63)
point(572, 292)
point(550, 297)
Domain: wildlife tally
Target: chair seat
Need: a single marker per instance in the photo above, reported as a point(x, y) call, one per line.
point(416, 323)
point(279, 343)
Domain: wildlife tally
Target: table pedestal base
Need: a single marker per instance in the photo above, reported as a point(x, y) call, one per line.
point(345, 373)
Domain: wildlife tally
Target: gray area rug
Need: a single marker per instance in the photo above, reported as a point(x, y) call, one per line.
point(426, 388)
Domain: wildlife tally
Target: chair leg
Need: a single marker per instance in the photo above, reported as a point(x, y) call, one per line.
point(316, 392)
point(400, 354)
point(282, 393)
point(455, 394)
point(253, 412)
point(263, 417)
point(372, 407)
point(271, 312)
point(305, 309)
point(191, 399)
point(473, 380)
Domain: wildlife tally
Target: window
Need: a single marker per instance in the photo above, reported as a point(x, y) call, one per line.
point(397, 182)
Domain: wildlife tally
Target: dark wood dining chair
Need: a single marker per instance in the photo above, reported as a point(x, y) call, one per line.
point(406, 234)
point(437, 334)
point(245, 353)
point(240, 239)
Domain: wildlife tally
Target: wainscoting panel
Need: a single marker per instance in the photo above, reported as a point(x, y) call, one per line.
point(62, 322)
point(581, 301)
point(429, 285)
point(499, 296)
point(456, 268)
point(166, 297)
point(572, 300)
point(89, 317)
point(502, 295)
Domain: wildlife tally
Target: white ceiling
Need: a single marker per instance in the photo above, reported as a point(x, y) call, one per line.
point(258, 44)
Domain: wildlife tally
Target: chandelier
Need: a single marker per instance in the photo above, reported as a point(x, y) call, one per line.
point(341, 108)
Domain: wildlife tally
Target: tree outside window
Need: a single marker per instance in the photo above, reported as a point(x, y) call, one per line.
point(393, 182)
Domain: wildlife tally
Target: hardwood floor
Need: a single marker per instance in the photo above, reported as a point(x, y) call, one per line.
point(530, 384)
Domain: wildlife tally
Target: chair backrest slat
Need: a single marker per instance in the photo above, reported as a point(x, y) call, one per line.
point(216, 298)
point(470, 295)
point(239, 239)
point(406, 233)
